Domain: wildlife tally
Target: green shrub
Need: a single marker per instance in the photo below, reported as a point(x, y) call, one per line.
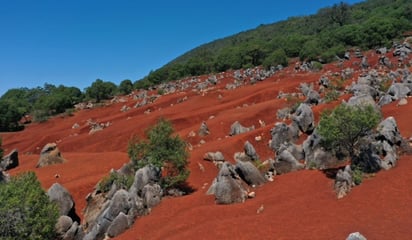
point(331, 95)
point(162, 150)
point(357, 175)
point(122, 182)
point(342, 128)
point(25, 210)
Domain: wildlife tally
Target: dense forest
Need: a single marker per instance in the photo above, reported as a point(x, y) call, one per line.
point(322, 37)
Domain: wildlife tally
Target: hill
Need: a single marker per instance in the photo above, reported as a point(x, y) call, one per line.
point(321, 37)
point(299, 205)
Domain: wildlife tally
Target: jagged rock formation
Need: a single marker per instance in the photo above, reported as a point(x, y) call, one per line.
point(10, 161)
point(49, 155)
point(236, 128)
point(344, 182)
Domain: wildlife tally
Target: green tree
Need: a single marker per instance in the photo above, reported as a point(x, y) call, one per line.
point(125, 87)
point(26, 211)
point(101, 90)
point(342, 128)
point(162, 150)
point(276, 58)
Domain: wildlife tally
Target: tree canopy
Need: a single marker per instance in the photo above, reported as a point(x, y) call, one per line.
point(26, 211)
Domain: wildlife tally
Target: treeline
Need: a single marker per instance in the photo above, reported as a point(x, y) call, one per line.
point(21, 105)
point(320, 37)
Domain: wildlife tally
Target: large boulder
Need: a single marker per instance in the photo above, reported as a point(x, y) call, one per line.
point(282, 134)
point(236, 128)
point(144, 176)
point(361, 100)
point(249, 173)
point(304, 119)
point(250, 151)
point(285, 162)
point(152, 195)
point(388, 131)
point(214, 156)
point(398, 91)
point(227, 186)
point(118, 226)
point(50, 155)
point(59, 195)
point(10, 161)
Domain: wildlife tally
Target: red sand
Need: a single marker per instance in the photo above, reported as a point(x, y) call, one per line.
point(300, 205)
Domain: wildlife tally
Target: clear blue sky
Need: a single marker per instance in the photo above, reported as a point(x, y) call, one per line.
point(75, 42)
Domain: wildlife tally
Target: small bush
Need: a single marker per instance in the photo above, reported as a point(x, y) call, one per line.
point(122, 182)
point(357, 176)
point(25, 210)
point(331, 95)
point(162, 150)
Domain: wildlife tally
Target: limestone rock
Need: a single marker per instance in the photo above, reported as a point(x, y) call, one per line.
point(50, 155)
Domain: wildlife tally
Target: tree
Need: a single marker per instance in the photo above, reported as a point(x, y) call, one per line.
point(26, 211)
point(125, 87)
point(101, 90)
point(162, 150)
point(342, 128)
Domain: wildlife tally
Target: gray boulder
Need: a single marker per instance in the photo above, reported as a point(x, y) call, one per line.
point(385, 99)
point(361, 100)
point(236, 128)
point(344, 182)
point(121, 202)
point(249, 173)
point(398, 91)
point(282, 134)
point(356, 236)
point(59, 195)
point(388, 131)
point(204, 130)
point(364, 62)
point(250, 151)
point(63, 225)
point(144, 176)
point(227, 187)
point(304, 118)
point(10, 161)
point(118, 226)
point(49, 155)
point(152, 195)
point(285, 162)
point(214, 156)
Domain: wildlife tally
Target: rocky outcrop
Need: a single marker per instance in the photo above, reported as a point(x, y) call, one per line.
point(49, 155)
point(303, 118)
point(108, 214)
point(249, 173)
point(227, 186)
point(67, 227)
point(344, 182)
point(10, 161)
point(236, 128)
point(282, 134)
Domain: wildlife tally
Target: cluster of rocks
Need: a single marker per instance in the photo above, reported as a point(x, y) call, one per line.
point(233, 182)
point(68, 225)
point(96, 126)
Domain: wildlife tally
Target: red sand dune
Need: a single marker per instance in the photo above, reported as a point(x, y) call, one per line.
point(299, 205)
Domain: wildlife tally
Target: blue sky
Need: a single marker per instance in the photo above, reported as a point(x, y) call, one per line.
point(75, 42)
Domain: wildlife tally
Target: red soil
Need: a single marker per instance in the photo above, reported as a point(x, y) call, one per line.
point(300, 205)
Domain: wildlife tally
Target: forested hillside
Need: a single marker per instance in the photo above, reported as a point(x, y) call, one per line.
point(321, 37)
